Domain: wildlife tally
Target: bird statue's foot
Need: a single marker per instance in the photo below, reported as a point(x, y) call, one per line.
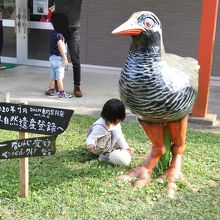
point(171, 189)
point(139, 172)
point(144, 180)
point(170, 176)
point(129, 177)
point(174, 171)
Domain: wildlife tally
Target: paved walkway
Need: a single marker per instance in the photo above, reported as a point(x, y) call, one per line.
point(28, 83)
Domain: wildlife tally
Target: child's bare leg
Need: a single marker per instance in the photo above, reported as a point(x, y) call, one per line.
point(60, 84)
point(51, 84)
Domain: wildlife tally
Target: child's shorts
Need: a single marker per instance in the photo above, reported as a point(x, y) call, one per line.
point(57, 67)
point(104, 144)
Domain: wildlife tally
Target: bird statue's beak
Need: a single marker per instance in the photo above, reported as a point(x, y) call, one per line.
point(130, 27)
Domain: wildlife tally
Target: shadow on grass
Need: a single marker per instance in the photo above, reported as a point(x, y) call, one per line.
point(82, 155)
point(51, 171)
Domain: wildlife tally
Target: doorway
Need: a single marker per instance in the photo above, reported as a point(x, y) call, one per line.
point(26, 32)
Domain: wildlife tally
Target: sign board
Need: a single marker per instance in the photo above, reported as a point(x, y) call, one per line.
point(30, 147)
point(34, 119)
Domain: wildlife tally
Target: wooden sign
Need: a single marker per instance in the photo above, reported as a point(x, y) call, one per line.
point(30, 147)
point(34, 119)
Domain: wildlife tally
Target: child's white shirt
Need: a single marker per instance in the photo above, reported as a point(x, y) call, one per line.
point(100, 129)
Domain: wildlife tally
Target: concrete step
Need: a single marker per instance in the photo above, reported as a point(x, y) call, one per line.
point(209, 119)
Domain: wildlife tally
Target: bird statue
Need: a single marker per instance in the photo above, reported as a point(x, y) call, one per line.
point(160, 88)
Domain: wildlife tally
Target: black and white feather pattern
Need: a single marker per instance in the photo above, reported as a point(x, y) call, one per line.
point(157, 86)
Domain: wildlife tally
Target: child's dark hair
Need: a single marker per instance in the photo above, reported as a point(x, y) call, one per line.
point(113, 110)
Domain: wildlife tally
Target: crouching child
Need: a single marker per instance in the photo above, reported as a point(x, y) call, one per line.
point(105, 137)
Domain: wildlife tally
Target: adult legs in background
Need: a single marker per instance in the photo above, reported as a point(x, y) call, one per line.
point(73, 42)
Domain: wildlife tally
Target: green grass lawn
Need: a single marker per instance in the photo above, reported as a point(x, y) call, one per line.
point(72, 184)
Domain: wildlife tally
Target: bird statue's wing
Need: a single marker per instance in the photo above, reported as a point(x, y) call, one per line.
point(182, 67)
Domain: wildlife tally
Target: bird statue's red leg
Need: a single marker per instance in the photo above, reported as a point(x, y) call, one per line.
point(155, 132)
point(177, 132)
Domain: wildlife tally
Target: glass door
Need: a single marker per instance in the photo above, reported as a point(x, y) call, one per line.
point(38, 28)
point(26, 31)
point(9, 52)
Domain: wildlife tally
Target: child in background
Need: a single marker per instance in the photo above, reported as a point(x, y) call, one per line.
point(58, 61)
point(105, 135)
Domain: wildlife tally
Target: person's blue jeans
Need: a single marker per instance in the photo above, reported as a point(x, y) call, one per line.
point(72, 38)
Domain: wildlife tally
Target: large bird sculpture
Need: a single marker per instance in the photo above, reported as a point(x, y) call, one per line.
point(160, 88)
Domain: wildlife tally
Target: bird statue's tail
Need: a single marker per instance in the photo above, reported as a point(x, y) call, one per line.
point(164, 161)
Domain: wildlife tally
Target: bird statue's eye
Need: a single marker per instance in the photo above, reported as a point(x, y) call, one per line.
point(149, 23)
